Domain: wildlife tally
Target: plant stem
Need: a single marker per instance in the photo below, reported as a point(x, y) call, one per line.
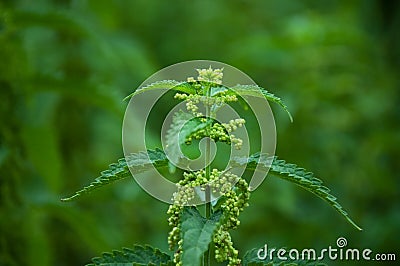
point(207, 162)
point(208, 172)
point(207, 255)
point(207, 258)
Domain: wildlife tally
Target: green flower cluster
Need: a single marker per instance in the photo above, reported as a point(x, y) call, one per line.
point(222, 182)
point(209, 75)
point(224, 248)
point(216, 132)
point(181, 198)
point(235, 198)
point(174, 236)
point(232, 191)
point(235, 202)
point(219, 132)
point(207, 79)
point(218, 182)
point(192, 101)
point(234, 124)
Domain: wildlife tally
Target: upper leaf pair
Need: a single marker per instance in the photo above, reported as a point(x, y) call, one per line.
point(188, 88)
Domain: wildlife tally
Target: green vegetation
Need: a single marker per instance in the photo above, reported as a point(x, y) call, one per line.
point(66, 65)
point(224, 194)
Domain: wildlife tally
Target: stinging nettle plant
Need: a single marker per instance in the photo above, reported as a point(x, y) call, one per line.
point(197, 239)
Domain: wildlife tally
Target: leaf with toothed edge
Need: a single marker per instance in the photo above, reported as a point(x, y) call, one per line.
point(254, 90)
point(139, 255)
point(165, 84)
point(294, 174)
point(197, 233)
point(187, 87)
point(290, 172)
point(138, 162)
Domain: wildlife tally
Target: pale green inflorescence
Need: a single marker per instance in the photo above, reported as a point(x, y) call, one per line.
point(192, 100)
point(235, 199)
point(210, 75)
point(217, 132)
point(233, 188)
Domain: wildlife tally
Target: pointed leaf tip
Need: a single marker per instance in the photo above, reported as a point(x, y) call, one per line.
point(138, 162)
point(299, 176)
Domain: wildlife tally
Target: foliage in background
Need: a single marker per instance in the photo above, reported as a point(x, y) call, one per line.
point(65, 65)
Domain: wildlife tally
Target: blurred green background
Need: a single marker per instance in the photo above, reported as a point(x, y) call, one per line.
point(65, 67)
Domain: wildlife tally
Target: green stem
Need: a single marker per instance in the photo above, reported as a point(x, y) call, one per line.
point(208, 172)
point(207, 255)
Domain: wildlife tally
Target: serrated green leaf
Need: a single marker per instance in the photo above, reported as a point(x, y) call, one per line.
point(138, 162)
point(183, 125)
point(297, 175)
point(251, 259)
point(254, 90)
point(197, 234)
point(139, 255)
point(185, 87)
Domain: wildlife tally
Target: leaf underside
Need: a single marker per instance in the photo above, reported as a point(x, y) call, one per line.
point(139, 255)
point(197, 233)
point(299, 176)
